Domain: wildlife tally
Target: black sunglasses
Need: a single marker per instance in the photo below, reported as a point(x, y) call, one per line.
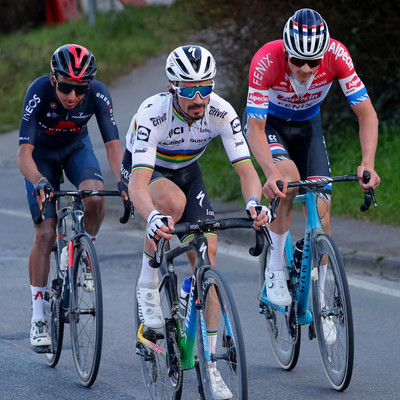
point(298, 62)
point(67, 88)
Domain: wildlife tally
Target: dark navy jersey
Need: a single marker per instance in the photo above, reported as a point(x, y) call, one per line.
point(46, 123)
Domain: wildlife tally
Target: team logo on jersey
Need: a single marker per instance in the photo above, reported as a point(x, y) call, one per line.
point(32, 104)
point(257, 98)
point(53, 105)
point(143, 133)
point(159, 119)
point(215, 112)
point(235, 124)
point(354, 83)
point(64, 126)
point(144, 150)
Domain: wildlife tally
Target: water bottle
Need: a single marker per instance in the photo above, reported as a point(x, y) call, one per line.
point(298, 254)
point(184, 297)
point(64, 259)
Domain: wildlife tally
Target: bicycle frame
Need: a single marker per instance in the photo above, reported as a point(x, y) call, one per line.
point(303, 281)
point(186, 327)
point(75, 211)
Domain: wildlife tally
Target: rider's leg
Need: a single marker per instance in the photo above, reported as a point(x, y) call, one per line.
point(39, 265)
point(276, 274)
point(169, 200)
point(94, 206)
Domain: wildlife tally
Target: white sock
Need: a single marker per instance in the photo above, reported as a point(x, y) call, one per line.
point(37, 303)
point(321, 282)
point(212, 340)
point(92, 238)
point(149, 276)
point(277, 258)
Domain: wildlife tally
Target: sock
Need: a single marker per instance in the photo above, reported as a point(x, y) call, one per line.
point(212, 340)
point(277, 258)
point(149, 276)
point(92, 238)
point(37, 303)
point(321, 282)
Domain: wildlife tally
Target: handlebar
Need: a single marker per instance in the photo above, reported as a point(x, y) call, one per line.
point(369, 197)
point(208, 226)
point(82, 194)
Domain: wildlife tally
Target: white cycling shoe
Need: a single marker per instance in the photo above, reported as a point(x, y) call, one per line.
point(39, 335)
point(329, 329)
point(219, 389)
point(276, 288)
point(149, 306)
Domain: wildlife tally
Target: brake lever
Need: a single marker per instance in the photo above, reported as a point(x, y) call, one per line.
point(370, 196)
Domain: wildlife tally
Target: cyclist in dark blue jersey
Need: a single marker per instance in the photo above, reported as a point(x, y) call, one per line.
point(54, 138)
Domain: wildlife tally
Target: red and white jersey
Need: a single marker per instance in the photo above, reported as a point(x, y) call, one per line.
point(271, 92)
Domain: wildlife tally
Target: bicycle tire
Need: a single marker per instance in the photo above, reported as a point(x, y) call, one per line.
point(229, 354)
point(154, 368)
point(284, 349)
point(86, 311)
point(332, 313)
point(52, 306)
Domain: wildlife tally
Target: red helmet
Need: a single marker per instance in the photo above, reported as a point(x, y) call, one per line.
point(74, 62)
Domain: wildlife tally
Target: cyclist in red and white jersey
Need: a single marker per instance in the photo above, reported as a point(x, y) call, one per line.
point(288, 81)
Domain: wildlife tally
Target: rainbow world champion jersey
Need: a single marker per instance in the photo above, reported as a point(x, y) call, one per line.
point(270, 90)
point(159, 135)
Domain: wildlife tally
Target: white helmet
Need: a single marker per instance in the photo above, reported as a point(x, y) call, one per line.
point(190, 63)
point(306, 35)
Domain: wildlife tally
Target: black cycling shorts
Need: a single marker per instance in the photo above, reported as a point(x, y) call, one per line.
point(190, 181)
point(78, 161)
point(302, 142)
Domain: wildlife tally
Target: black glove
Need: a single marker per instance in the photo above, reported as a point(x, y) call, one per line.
point(43, 185)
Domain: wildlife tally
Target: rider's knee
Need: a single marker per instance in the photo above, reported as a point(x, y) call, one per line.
point(95, 204)
point(173, 204)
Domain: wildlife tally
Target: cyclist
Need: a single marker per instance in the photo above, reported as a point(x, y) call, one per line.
point(288, 80)
point(54, 137)
point(166, 137)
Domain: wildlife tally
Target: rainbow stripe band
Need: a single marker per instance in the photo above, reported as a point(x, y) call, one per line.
point(240, 161)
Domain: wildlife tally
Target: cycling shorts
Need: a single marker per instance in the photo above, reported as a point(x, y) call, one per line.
point(190, 181)
point(77, 160)
point(304, 144)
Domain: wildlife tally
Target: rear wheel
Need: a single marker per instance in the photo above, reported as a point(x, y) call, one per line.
point(332, 314)
point(283, 331)
point(86, 312)
point(161, 382)
point(52, 306)
point(224, 336)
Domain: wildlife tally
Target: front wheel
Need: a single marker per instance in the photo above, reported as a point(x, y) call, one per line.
point(52, 306)
point(86, 311)
point(332, 313)
point(223, 354)
point(163, 378)
point(283, 331)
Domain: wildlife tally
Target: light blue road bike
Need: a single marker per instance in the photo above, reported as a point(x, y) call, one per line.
point(319, 290)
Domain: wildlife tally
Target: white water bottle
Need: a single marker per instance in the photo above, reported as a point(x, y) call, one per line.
point(64, 259)
point(184, 297)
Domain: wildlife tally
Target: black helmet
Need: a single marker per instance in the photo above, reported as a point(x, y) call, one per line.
point(306, 35)
point(74, 62)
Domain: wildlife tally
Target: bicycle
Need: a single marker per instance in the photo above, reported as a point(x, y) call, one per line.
point(74, 294)
point(165, 355)
point(330, 316)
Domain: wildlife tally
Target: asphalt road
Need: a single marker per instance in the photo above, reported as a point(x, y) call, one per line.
point(25, 375)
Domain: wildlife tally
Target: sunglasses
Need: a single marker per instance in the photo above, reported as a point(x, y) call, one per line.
point(67, 88)
point(189, 92)
point(298, 62)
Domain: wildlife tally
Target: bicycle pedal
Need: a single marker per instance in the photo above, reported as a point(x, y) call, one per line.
point(41, 349)
point(141, 351)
